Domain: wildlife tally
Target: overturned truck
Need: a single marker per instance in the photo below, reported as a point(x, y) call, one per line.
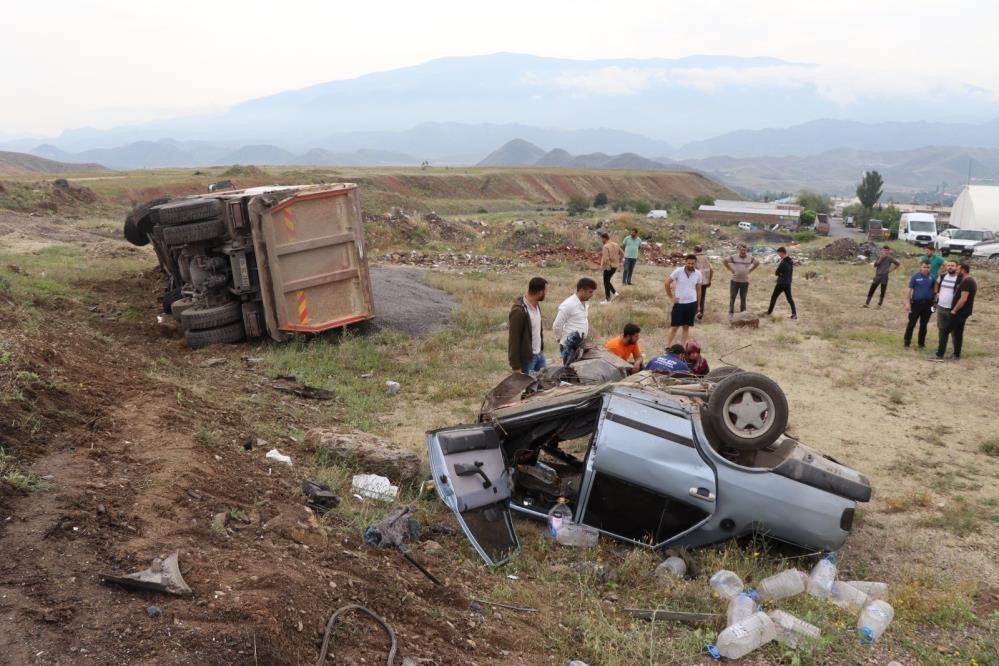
point(274, 261)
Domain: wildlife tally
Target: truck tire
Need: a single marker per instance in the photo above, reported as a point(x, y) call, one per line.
point(132, 233)
point(179, 306)
point(142, 215)
point(199, 318)
point(747, 411)
point(186, 210)
point(192, 232)
point(212, 336)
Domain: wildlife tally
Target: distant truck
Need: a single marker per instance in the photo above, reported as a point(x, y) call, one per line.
point(822, 224)
point(875, 231)
point(918, 228)
point(270, 261)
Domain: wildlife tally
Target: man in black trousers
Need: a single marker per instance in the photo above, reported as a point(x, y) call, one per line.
point(784, 272)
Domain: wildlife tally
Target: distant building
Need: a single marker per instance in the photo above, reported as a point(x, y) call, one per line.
point(751, 211)
point(977, 207)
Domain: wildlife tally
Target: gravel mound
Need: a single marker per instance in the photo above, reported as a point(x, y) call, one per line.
point(404, 302)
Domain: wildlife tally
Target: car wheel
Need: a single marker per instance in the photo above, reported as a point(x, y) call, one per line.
point(132, 233)
point(213, 336)
point(200, 318)
point(724, 371)
point(747, 410)
point(192, 232)
point(186, 210)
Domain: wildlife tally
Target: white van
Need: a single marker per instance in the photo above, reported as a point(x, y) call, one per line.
point(745, 226)
point(657, 214)
point(918, 228)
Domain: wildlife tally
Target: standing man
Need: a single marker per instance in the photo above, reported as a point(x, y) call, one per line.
point(945, 288)
point(936, 261)
point(610, 259)
point(625, 347)
point(784, 272)
point(964, 303)
point(918, 301)
point(707, 272)
point(631, 243)
point(683, 287)
point(526, 344)
point(571, 322)
point(883, 266)
point(740, 266)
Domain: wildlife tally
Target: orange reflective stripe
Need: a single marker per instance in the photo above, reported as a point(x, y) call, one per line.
point(289, 222)
point(303, 308)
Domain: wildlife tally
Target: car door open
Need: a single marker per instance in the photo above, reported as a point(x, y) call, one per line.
point(472, 479)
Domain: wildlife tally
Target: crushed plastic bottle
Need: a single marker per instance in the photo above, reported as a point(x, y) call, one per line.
point(792, 630)
point(875, 590)
point(821, 579)
point(726, 584)
point(557, 516)
point(873, 620)
point(740, 607)
point(671, 567)
point(783, 585)
point(847, 596)
point(741, 638)
point(580, 536)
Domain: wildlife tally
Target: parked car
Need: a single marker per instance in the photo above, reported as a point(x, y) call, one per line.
point(961, 241)
point(918, 228)
point(989, 251)
point(271, 261)
point(745, 226)
point(664, 461)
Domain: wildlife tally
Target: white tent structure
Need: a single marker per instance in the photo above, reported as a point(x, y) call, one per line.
point(977, 207)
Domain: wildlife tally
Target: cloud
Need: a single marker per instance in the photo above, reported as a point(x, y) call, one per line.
point(612, 81)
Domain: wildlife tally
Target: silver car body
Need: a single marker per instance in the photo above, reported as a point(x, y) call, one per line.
point(649, 477)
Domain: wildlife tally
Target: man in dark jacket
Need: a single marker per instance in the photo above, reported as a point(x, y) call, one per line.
point(784, 272)
point(526, 345)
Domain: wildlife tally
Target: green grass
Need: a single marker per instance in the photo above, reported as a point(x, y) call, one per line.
point(16, 476)
point(990, 447)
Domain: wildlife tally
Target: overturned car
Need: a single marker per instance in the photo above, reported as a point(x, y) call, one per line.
point(648, 459)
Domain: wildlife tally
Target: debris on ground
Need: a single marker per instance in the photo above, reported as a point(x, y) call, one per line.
point(393, 531)
point(363, 450)
point(744, 320)
point(163, 575)
point(320, 498)
point(289, 384)
point(671, 567)
point(445, 260)
point(373, 486)
point(393, 645)
point(276, 455)
point(660, 614)
point(391, 387)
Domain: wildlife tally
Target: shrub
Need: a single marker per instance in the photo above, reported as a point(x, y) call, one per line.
point(577, 206)
point(600, 200)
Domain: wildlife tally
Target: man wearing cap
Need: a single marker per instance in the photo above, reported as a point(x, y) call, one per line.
point(740, 265)
point(683, 287)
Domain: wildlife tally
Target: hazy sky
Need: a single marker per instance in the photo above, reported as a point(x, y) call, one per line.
point(101, 63)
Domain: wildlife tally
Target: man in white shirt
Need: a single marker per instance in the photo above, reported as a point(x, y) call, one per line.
point(945, 289)
point(571, 323)
point(683, 286)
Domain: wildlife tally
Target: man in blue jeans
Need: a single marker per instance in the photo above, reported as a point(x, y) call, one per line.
point(918, 301)
point(526, 343)
point(631, 245)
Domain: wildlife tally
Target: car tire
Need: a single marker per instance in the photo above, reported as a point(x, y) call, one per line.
point(724, 371)
point(186, 210)
point(132, 233)
point(213, 336)
point(192, 232)
point(178, 307)
point(748, 411)
point(201, 318)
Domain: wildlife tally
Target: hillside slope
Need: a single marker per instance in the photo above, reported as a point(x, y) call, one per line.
point(21, 164)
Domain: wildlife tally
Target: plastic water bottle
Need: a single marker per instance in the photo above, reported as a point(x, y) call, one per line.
point(741, 638)
point(580, 536)
point(847, 596)
point(874, 590)
point(725, 583)
point(671, 567)
point(873, 620)
point(740, 607)
point(821, 579)
point(783, 585)
point(559, 515)
point(792, 630)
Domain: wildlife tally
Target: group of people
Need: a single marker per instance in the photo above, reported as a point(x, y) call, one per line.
point(526, 344)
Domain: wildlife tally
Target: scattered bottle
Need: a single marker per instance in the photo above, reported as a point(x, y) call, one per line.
point(821, 579)
point(740, 607)
point(580, 536)
point(726, 584)
point(847, 596)
point(783, 585)
point(741, 638)
point(671, 567)
point(792, 630)
point(559, 515)
point(874, 590)
point(873, 620)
